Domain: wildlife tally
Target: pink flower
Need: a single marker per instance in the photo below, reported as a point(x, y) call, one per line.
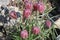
point(12, 14)
point(35, 6)
point(24, 34)
point(28, 5)
point(48, 23)
point(36, 30)
point(25, 1)
point(41, 7)
point(26, 13)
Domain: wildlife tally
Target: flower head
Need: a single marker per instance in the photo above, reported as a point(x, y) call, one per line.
point(24, 34)
point(41, 7)
point(12, 14)
point(36, 30)
point(25, 1)
point(26, 13)
point(48, 23)
point(28, 5)
point(35, 6)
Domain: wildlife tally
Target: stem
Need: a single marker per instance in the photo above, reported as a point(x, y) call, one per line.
point(36, 18)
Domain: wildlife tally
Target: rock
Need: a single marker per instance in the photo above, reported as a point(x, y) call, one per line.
point(1, 34)
point(57, 23)
point(58, 37)
point(4, 2)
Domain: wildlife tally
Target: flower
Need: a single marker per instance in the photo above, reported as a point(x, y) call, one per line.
point(35, 30)
point(12, 14)
point(48, 23)
point(24, 34)
point(26, 13)
point(25, 1)
point(28, 5)
point(41, 7)
point(35, 6)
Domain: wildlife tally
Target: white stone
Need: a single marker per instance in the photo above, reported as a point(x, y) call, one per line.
point(13, 8)
point(2, 12)
point(58, 37)
point(57, 23)
point(4, 2)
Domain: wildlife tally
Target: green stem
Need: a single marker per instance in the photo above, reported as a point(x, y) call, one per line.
point(36, 18)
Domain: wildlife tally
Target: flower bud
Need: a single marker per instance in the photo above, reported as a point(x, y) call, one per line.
point(24, 34)
point(25, 1)
point(48, 23)
point(41, 7)
point(26, 13)
point(28, 5)
point(35, 30)
point(35, 6)
point(13, 15)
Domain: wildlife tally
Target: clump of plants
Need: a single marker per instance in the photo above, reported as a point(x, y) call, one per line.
point(35, 24)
